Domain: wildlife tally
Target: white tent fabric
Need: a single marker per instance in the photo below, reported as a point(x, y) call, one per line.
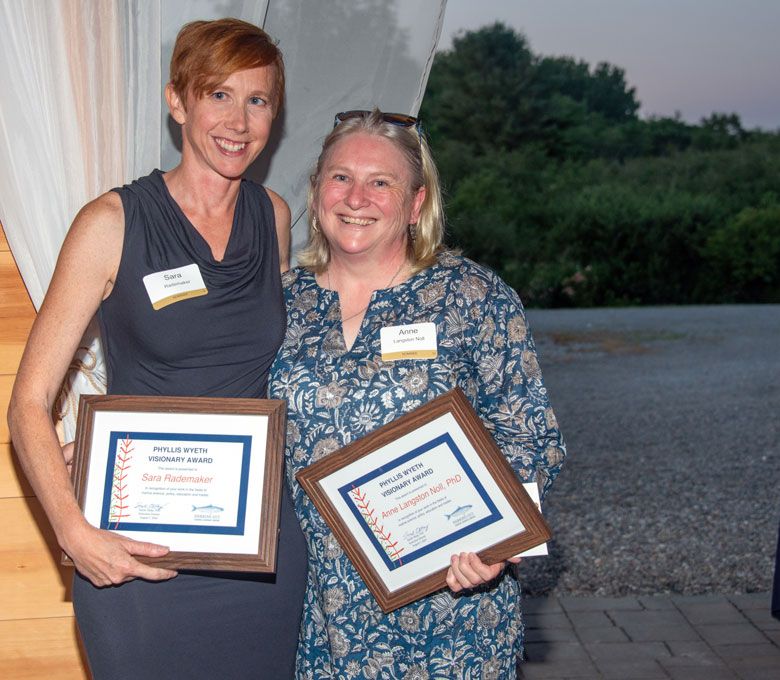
point(339, 54)
point(82, 107)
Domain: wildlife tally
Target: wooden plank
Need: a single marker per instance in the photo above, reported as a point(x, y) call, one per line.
point(16, 314)
point(6, 385)
point(13, 483)
point(32, 582)
point(42, 649)
point(12, 289)
point(3, 240)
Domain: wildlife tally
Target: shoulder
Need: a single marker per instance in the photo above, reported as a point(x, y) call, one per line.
point(262, 193)
point(474, 285)
point(461, 270)
point(281, 209)
point(103, 218)
point(297, 279)
point(282, 224)
point(93, 245)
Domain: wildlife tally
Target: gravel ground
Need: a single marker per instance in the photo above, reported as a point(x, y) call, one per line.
point(672, 481)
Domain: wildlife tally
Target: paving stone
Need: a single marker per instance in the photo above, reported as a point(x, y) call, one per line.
point(584, 604)
point(587, 619)
point(644, 669)
point(699, 611)
point(550, 635)
point(752, 601)
point(765, 650)
point(654, 602)
point(671, 617)
point(710, 637)
point(691, 652)
point(730, 634)
point(710, 661)
point(541, 605)
point(559, 651)
point(660, 633)
point(546, 621)
point(761, 618)
point(626, 651)
point(759, 668)
point(602, 634)
point(709, 598)
point(705, 673)
point(559, 670)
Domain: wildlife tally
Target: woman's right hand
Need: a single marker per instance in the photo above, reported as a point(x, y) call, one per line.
point(106, 558)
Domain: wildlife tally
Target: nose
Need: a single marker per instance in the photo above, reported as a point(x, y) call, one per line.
point(356, 197)
point(238, 119)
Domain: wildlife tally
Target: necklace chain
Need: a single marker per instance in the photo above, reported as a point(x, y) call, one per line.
point(360, 311)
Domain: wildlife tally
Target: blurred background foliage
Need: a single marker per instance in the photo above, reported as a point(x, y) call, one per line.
point(552, 180)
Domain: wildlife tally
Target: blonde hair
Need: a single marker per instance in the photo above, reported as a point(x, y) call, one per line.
point(429, 230)
point(208, 52)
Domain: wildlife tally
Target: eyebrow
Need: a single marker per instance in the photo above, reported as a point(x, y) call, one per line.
point(373, 173)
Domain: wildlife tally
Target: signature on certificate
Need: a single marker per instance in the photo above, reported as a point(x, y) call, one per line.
point(416, 536)
point(150, 507)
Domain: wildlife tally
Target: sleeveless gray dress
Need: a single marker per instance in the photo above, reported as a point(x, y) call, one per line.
point(197, 625)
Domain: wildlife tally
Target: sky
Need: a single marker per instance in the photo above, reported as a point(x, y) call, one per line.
point(695, 57)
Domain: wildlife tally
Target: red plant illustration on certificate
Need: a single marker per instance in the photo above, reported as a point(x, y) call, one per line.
point(119, 494)
point(367, 513)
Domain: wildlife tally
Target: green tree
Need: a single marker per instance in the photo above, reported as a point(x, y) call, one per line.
point(553, 181)
point(477, 93)
point(744, 256)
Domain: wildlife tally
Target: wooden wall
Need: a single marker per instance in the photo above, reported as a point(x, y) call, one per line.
point(38, 634)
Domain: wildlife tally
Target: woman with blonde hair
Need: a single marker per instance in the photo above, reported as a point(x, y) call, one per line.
point(375, 262)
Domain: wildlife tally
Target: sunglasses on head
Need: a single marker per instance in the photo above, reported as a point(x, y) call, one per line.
point(393, 118)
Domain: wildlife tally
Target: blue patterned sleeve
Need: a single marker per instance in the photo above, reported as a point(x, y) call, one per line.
point(510, 393)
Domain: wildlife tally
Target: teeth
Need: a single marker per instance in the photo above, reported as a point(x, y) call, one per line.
point(356, 220)
point(230, 146)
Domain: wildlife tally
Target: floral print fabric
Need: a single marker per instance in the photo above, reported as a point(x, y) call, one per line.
point(337, 395)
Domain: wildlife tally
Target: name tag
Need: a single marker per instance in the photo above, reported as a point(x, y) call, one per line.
point(165, 288)
point(414, 341)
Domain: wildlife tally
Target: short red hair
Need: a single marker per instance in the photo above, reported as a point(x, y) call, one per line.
point(206, 53)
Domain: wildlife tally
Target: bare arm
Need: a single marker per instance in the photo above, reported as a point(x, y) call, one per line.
point(282, 216)
point(83, 277)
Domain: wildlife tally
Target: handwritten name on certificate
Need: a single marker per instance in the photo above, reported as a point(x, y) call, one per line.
point(196, 483)
point(420, 502)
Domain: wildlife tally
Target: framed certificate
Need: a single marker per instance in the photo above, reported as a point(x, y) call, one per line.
point(202, 476)
point(406, 497)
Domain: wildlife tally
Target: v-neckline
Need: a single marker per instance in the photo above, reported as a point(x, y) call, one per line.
point(193, 229)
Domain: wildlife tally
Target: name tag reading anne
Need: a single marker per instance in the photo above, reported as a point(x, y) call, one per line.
point(169, 286)
point(413, 341)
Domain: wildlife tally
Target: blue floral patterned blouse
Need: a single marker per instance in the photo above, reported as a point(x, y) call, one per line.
point(336, 396)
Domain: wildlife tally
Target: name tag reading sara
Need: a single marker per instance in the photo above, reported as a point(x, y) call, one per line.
point(414, 341)
point(166, 287)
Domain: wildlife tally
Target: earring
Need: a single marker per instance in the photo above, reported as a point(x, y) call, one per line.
point(413, 231)
point(315, 227)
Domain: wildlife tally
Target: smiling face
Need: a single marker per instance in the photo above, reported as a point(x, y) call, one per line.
point(226, 129)
point(365, 202)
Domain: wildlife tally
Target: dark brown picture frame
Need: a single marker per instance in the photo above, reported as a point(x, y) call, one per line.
point(537, 530)
point(275, 410)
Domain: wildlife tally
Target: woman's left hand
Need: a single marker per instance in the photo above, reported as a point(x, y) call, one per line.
point(468, 571)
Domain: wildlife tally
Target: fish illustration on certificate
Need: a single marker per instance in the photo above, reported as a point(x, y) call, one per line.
point(404, 498)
